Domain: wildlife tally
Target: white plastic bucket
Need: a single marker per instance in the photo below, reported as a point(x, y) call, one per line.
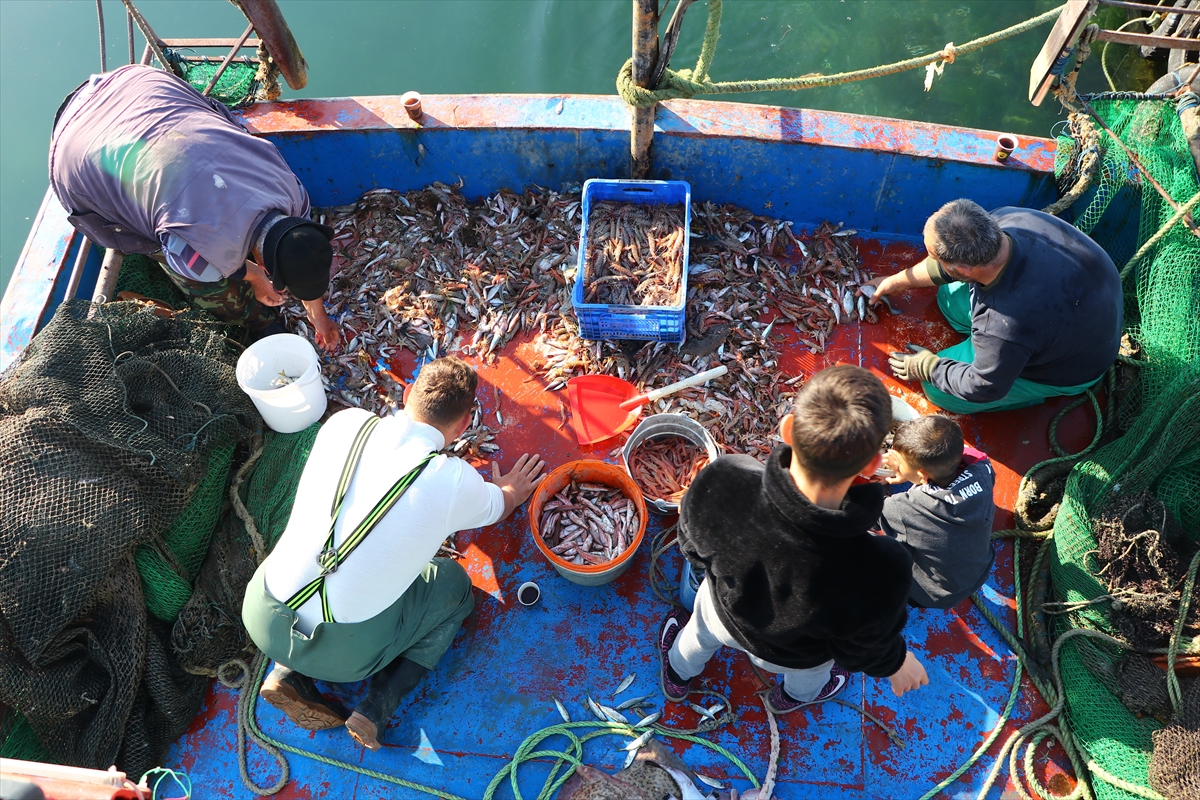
point(290, 408)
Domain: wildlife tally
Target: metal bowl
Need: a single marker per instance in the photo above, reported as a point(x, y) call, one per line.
point(901, 412)
point(668, 425)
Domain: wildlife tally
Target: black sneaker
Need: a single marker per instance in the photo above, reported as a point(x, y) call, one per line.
point(780, 702)
point(296, 695)
point(673, 689)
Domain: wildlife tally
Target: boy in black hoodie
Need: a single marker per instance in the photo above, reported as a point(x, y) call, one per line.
point(792, 576)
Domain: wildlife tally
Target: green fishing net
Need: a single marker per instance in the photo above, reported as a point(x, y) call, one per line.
point(237, 86)
point(1155, 463)
point(144, 276)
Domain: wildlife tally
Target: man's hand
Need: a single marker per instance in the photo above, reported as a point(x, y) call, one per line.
point(884, 285)
point(917, 366)
point(326, 331)
point(911, 675)
point(521, 480)
point(264, 292)
point(915, 277)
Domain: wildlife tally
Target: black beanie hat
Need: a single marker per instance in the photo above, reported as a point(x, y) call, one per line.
point(297, 256)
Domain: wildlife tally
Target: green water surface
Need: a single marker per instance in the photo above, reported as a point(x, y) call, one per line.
point(47, 47)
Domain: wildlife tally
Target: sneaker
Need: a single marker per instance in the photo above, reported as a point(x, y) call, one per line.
point(780, 702)
point(295, 695)
point(675, 690)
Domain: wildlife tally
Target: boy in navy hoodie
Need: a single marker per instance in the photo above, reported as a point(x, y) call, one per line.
point(945, 519)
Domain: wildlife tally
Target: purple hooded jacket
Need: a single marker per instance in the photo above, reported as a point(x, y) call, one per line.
point(138, 155)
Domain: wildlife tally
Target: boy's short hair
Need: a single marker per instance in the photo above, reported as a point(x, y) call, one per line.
point(840, 419)
point(932, 444)
point(443, 392)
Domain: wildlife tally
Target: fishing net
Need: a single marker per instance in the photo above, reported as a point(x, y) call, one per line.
point(237, 87)
point(209, 630)
point(1175, 771)
point(144, 276)
point(117, 429)
point(1130, 515)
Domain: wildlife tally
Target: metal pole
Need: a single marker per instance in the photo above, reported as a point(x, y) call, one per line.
point(85, 248)
point(645, 59)
point(151, 38)
point(106, 281)
point(225, 64)
point(103, 45)
point(129, 34)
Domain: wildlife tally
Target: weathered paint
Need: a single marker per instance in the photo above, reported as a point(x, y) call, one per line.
point(881, 175)
point(495, 686)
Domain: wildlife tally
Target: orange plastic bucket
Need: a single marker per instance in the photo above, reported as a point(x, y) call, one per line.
point(590, 472)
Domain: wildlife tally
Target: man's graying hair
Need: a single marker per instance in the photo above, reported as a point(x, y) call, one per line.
point(965, 234)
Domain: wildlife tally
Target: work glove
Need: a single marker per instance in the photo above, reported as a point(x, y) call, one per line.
point(915, 366)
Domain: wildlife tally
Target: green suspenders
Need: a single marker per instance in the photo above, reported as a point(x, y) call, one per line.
point(331, 558)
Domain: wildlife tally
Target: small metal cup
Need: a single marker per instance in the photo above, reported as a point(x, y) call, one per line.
point(528, 593)
point(412, 104)
point(1004, 147)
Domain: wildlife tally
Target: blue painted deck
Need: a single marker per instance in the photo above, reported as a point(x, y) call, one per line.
point(494, 688)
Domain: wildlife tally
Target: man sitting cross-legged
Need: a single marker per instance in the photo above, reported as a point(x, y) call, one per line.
point(352, 590)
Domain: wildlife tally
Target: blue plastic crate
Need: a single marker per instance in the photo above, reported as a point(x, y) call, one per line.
point(652, 323)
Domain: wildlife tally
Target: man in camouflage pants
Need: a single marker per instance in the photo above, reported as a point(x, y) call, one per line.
point(227, 300)
point(143, 163)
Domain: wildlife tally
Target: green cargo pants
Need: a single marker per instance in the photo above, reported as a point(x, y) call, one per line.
point(228, 300)
point(420, 626)
point(954, 300)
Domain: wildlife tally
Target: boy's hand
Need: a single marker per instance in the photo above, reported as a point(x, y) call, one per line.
point(890, 461)
point(911, 675)
point(521, 480)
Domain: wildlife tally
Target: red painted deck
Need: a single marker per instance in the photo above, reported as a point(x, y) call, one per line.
point(496, 685)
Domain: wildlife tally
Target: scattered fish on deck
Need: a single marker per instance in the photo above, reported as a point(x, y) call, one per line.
point(637, 743)
point(625, 684)
point(428, 272)
point(634, 701)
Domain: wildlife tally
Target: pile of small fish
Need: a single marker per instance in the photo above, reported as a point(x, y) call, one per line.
point(743, 268)
point(283, 379)
point(430, 272)
point(589, 523)
point(665, 466)
point(634, 254)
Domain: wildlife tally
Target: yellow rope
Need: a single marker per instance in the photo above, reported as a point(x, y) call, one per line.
point(689, 83)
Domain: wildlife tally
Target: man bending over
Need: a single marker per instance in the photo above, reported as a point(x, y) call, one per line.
point(352, 590)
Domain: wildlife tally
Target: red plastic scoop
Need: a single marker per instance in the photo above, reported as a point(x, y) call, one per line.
point(602, 406)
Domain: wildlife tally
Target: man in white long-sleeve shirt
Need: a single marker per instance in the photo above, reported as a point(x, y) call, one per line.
point(353, 590)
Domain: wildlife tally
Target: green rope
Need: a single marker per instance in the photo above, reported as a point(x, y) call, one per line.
point(1025, 529)
point(1013, 693)
point(1132, 788)
point(525, 753)
point(689, 83)
point(1034, 733)
point(1153, 241)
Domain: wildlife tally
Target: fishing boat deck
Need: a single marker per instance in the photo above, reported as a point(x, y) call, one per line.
point(495, 687)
